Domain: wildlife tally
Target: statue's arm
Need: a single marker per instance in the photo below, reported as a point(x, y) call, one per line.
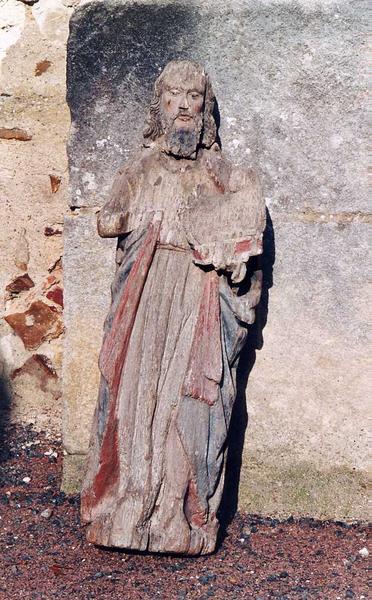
point(226, 230)
point(116, 216)
point(245, 183)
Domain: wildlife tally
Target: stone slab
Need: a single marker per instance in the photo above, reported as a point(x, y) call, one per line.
point(88, 264)
point(288, 78)
point(306, 446)
point(73, 473)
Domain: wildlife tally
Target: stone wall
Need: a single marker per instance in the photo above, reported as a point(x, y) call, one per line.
point(289, 79)
point(34, 124)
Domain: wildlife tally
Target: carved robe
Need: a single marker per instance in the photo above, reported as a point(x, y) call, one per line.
point(168, 361)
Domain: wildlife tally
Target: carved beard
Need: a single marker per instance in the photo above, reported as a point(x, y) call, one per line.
point(182, 142)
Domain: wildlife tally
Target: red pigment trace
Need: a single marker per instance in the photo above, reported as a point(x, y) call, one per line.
point(204, 371)
point(112, 358)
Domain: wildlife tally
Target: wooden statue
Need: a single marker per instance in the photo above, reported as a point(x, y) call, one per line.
point(183, 295)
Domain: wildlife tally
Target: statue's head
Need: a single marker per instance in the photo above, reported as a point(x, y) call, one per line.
point(182, 109)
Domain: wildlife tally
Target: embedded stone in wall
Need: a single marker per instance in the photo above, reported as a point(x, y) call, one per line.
point(54, 277)
point(38, 323)
point(39, 367)
point(20, 284)
point(37, 380)
point(55, 182)
point(56, 295)
point(22, 251)
point(15, 133)
point(42, 67)
point(49, 231)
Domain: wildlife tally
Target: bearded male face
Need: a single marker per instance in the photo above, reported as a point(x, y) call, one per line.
point(181, 111)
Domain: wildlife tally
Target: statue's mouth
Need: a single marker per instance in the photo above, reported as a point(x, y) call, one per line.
point(183, 118)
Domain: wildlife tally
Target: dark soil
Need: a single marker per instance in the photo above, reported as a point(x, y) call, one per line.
point(47, 557)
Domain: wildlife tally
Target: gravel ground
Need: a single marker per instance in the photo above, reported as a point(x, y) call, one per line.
point(44, 555)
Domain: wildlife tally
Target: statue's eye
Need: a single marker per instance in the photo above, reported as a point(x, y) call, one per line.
point(195, 95)
point(174, 92)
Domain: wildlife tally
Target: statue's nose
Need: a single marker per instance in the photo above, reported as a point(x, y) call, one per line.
point(184, 102)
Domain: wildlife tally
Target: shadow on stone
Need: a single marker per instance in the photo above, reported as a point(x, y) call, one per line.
point(112, 47)
point(115, 52)
point(239, 417)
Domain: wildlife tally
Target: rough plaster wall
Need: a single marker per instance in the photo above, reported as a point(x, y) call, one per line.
point(290, 84)
point(33, 185)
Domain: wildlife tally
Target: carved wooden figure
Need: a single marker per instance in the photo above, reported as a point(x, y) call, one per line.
point(187, 222)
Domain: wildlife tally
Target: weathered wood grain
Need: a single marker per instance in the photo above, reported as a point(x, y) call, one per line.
point(187, 222)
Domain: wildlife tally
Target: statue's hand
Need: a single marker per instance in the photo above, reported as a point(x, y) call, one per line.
point(222, 231)
point(239, 272)
point(229, 256)
point(243, 305)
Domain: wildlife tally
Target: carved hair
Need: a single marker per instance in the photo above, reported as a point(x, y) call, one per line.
point(154, 128)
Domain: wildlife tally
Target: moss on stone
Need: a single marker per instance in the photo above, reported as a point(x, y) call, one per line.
point(302, 489)
point(73, 472)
